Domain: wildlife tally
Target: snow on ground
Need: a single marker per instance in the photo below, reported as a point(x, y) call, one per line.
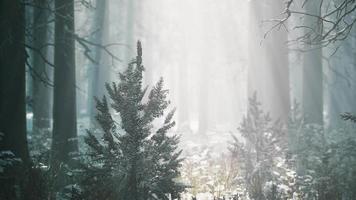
point(208, 167)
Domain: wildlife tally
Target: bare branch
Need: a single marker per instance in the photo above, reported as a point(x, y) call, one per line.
point(37, 75)
point(335, 21)
point(86, 44)
point(39, 52)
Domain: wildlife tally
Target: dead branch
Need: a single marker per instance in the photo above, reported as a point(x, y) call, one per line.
point(335, 21)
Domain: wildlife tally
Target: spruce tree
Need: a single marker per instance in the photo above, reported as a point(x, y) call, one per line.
point(262, 148)
point(130, 160)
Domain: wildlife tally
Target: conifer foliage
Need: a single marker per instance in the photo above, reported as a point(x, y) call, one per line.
point(130, 159)
point(260, 150)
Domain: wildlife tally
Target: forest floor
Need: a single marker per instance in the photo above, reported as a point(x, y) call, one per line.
point(206, 163)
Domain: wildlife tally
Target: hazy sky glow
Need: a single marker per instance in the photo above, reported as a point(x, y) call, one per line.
point(209, 40)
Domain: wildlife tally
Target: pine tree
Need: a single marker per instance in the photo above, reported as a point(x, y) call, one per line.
point(131, 161)
point(263, 145)
point(326, 160)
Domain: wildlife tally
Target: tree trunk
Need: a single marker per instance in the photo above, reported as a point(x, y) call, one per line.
point(278, 68)
point(341, 82)
point(204, 101)
point(183, 92)
point(98, 72)
point(40, 89)
point(64, 102)
point(313, 72)
point(12, 97)
point(12, 79)
point(268, 72)
point(131, 14)
point(256, 70)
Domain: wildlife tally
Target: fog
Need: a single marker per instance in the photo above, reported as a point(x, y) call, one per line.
point(257, 100)
point(201, 52)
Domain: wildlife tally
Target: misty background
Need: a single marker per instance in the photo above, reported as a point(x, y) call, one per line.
point(264, 93)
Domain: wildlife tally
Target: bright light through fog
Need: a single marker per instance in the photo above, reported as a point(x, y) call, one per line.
point(200, 48)
point(177, 99)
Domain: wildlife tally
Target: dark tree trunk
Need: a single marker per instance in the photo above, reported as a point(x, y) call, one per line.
point(64, 102)
point(12, 96)
point(12, 79)
point(40, 89)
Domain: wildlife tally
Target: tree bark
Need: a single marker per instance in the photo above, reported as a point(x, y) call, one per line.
point(341, 82)
point(98, 72)
point(64, 102)
point(12, 97)
point(40, 89)
point(313, 72)
point(12, 79)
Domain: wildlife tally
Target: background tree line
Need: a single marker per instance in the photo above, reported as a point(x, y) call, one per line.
point(307, 152)
point(39, 43)
point(41, 50)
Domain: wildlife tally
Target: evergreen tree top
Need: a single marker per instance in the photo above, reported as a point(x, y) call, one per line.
point(141, 162)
